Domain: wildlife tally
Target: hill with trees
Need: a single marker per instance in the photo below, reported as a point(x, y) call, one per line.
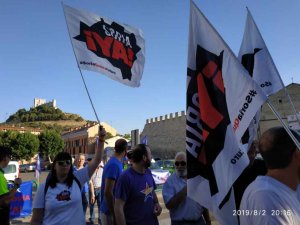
point(42, 113)
point(46, 118)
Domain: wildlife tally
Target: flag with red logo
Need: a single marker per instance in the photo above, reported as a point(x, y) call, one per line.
point(222, 99)
point(256, 58)
point(101, 45)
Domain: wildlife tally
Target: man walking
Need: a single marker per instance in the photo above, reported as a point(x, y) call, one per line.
point(6, 195)
point(136, 202)
point(94, 192)
point(111, 172)
point(183, 210)
point(272, 199)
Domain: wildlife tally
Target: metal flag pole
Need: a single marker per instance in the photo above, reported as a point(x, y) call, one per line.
point(87, 91)
point(293, 106)
point(283, 124)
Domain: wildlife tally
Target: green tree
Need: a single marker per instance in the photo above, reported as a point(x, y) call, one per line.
point(108, 135)
point(25, 146)
point(51, 143)
point(127, 136)
point(8, 138)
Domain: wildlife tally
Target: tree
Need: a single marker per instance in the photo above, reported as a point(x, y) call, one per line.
point(108, 135)
point(51, 143)
point(8, 138)
point(25, 146)
point(127, 136)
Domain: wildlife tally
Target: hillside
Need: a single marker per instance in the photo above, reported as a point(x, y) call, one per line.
point(42, 113)
point(45, 117)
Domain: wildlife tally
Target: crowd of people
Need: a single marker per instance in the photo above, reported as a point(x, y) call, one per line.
point(267, 188)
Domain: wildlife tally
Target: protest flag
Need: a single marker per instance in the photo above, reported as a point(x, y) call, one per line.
point(105, 46)
point(222, 99)
point(145, 140)
point(255, 57)
point(38, 168)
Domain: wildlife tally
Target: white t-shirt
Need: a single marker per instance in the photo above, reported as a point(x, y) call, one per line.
point(97, 177)
point(63, 204)
point(186, 210)
point(269, 202)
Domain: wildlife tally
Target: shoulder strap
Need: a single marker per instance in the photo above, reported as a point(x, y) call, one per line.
point(47, 184)
point(78, 182)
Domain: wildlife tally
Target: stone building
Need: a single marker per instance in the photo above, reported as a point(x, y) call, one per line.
point(40, 101)
point(283, 106)
point(166, 134)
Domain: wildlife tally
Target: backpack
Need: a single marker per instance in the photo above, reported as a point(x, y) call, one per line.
point(48, 180)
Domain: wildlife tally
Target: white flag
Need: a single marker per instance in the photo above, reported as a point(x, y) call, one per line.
point(38, 167)
point(101, 45)
point(222, 99)
point(256, 58)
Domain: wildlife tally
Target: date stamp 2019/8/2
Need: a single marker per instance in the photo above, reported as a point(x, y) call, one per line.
point(261, 212)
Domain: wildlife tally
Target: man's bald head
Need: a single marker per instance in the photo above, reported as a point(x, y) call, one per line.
point(277, 147)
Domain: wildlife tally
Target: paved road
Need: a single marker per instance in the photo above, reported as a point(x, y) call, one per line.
point(164, 218)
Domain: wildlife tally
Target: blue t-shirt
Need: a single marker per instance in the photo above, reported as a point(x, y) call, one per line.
point(137, 191)
point(112, 170)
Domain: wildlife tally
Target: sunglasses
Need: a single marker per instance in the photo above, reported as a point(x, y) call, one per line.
point(64, 162)
point(181, 163)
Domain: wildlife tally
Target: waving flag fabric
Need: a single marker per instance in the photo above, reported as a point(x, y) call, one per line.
point(145, 140)
point(101, 45)
point(222, 99)
point(38, 167)
point(256, 58)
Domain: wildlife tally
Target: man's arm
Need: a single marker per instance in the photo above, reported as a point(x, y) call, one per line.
point(108, 194)
point(92, 191)
point(37, 216)
point(6, 198)
point(177, 199)
point(157, 207)
point(119, 211)
point(98, 152)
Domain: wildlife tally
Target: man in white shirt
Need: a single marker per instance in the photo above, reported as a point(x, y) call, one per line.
point(95, 192)
point(183, 210)
point(272, 199)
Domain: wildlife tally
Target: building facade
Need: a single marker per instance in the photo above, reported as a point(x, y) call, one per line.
point(82, 139)
point(35, 131)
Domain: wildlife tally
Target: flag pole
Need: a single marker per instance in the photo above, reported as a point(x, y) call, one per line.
point(283, 124)
point(293, 106)
point(87, 91)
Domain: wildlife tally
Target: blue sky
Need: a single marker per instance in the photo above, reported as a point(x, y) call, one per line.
point(37, 60)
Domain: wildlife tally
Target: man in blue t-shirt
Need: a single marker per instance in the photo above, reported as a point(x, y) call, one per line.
point(136, 202)
point(111, 172)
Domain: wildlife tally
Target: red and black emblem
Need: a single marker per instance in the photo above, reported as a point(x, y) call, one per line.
point(111, 42)
point(207, 82)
